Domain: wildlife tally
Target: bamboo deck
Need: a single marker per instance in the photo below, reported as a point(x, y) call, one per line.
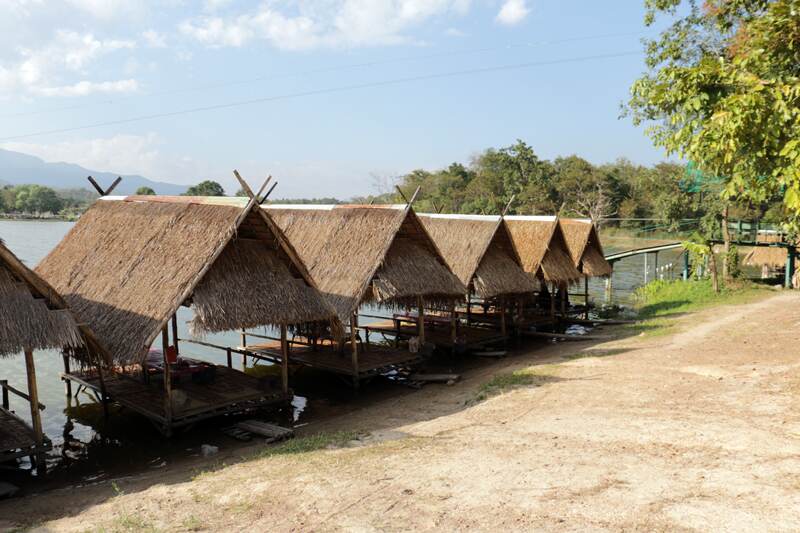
point(17, 438)
point(373, 359)
point(231, 391)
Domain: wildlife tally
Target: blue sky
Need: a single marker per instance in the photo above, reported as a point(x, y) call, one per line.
point(335, 116)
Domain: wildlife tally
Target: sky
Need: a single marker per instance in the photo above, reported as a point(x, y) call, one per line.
point(330, 97)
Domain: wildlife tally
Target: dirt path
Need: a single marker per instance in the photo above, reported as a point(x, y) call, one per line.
point(699, 430)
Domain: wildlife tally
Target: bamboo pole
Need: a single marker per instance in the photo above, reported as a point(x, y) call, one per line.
point(503, 328)
point(586, 297)
point(354, 346)
point(67, 381)
point(284, 360)
point(562, 291)
point(453, 324)
point(36, 417)
point(244, 345)
point(167, 380)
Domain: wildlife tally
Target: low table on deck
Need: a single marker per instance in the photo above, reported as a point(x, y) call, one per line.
point(231, 391)
point(17, 439)
point(373, 359)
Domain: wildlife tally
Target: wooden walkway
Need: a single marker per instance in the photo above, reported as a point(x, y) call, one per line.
point(17, 438)
point(467, 337)
point(373, 359)
point(231, 391)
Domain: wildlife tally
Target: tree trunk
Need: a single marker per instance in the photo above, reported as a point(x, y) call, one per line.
point(726, 247)
point(713, 264)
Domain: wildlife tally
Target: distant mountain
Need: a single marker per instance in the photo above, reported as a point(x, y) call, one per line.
point(20, 169)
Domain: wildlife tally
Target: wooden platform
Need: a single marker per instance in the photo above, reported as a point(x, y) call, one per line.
point(373, 360)
point(17, 438)
point(468, 337)
point(231, 391)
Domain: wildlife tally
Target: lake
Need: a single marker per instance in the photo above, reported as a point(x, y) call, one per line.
point(84, 441)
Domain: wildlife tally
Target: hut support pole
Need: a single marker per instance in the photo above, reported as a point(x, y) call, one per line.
point(453, 325)
point(562, 291)
point(552, 294)
point(354, 347)
point(586, 297)
point(790, 253)
point(167, 382)
point(469, 309)
point(175, 332)
point(421, 321)
point(103, 395)
point(36, 417)
point(67, 382)
point(244, 345)
point(284, 360)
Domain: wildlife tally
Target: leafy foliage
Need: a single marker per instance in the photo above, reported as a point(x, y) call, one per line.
point(145, 191)
point(205, 188)
point(723, 91)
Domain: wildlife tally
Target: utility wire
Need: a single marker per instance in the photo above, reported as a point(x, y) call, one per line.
point(351, 66)
point(330, 90)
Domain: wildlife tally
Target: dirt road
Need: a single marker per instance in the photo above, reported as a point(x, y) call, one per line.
point(699, 430)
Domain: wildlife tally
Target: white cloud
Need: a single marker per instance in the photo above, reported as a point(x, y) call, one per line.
point(109, 9)
point(454, 32)
point(38, 70)
point(513, 12)
point(291, 25)
point(154, 39)
point(84, 88)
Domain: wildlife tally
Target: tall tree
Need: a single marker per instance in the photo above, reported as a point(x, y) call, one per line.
point(205, 188)
point(722, 91)
point(145, 191)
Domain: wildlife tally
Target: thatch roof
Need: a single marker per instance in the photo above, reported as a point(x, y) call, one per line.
point(771, 256)
point(584, 247)
point(130, 262)
point(360, 254)
point(542, 248)
point(32, 317)
point(478, 249)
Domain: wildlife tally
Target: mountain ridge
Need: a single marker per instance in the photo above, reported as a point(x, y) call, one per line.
point(17, 168)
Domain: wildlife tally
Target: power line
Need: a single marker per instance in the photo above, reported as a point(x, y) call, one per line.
point(351, 66)
point(330, 90)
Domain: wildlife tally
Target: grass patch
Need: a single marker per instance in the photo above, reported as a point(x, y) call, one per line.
point(526, 377)
point(659, 302)
point(309, 443)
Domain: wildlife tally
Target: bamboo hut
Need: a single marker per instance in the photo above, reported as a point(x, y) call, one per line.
point(479, 250)
point(543, 249)
point(359, 255)
point(131, 262)
point(32, 317)
point(769, 258)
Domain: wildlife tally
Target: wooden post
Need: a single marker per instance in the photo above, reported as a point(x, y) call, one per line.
point(469, 308)
point(586, 297)
point(552, 300)
point(421, 321)
point(6, 403)
point(284, 360)
point(244, 345)
point(103, 392)
point(167, 380)
point(67, 381)
point(36, 417)
point(354, 346)
point(453, 324)
point(645, 267)
point(609, 290)
point(230, 358)
point(562, 291)
point(175, 332)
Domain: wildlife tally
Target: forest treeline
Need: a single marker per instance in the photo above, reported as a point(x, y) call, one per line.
point(567, 186)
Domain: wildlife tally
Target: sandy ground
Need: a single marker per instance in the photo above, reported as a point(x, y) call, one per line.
point(698, 430)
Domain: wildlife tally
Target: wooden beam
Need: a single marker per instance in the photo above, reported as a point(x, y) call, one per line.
point(503, 328)
point(97, 187)
point(508, 205)
point(401, 194)
point(113, 186)
point(414, 196)
point(264, 198)
point(175, 332)
point(421, 321)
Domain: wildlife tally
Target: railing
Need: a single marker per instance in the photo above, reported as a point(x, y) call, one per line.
point(6, 388)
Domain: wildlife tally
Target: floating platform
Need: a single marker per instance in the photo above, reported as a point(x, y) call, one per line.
point(373, 359)
point(17, 438)
point(231, 391)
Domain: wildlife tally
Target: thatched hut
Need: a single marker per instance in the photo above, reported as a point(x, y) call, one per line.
point(584, 247)
point(32, 317)
point(543, 249)
point(359, 255)
point(131, 262)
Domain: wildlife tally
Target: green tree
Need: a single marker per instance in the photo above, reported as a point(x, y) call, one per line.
point(37, 199)
point(205, 188)
point(722, 91)
point(145, 191)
